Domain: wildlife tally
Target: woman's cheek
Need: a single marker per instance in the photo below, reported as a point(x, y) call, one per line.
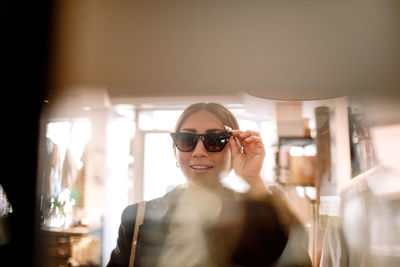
point(183, 158)
point(228, 159)
point(223, 163)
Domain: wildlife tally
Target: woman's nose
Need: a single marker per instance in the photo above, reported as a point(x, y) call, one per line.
point(199, 149)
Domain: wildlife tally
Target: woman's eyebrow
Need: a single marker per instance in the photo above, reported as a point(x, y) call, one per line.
point(213, 130)
point(188, 130)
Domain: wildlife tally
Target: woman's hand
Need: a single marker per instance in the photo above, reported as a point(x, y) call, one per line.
point(248, 160)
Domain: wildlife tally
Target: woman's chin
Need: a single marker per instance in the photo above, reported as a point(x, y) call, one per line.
point(205, 182)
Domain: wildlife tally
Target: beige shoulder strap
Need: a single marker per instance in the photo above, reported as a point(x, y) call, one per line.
point(139, 222)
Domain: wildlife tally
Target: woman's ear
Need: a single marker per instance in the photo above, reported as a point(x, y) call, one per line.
point(231, 167)
point(174, 148)
point(238, 144)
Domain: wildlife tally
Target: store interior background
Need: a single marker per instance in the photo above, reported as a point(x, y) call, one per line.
point(114, 77)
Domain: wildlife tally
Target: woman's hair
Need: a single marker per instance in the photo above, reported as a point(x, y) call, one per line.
point(218, 110)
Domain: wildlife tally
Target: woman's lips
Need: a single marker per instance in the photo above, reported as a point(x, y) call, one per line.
point(198, 169)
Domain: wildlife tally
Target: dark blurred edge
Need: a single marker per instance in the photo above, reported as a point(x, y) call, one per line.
point(24, 55)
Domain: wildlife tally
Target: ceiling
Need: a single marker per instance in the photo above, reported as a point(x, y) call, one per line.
point(287, 50)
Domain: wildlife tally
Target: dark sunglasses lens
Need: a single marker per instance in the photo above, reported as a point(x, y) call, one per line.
point(215, 142)
point(185, 141)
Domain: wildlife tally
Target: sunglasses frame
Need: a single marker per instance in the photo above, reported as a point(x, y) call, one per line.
point(226, 134)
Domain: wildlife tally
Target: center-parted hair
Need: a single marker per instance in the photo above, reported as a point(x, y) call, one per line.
point(218, 110)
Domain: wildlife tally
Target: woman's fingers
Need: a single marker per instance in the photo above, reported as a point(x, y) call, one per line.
point(249, 139)
point(247, 136)
point(242, 135)
point(248, 156)
point(234, 147)
point(252, 139)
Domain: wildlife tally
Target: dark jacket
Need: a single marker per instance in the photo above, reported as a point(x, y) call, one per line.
point(256, 236)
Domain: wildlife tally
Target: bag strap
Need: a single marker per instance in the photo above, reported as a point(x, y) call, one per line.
point(139, 221)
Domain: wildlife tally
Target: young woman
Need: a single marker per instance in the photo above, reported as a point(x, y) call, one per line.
point(202, 223)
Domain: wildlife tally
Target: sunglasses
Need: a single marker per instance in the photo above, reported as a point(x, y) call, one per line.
point(213, 142)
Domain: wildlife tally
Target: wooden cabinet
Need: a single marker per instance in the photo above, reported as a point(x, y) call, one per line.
point(58, 246)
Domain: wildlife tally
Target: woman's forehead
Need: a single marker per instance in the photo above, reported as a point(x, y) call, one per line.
point(202, 121)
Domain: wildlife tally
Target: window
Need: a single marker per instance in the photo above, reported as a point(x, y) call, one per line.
point(66, 141)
